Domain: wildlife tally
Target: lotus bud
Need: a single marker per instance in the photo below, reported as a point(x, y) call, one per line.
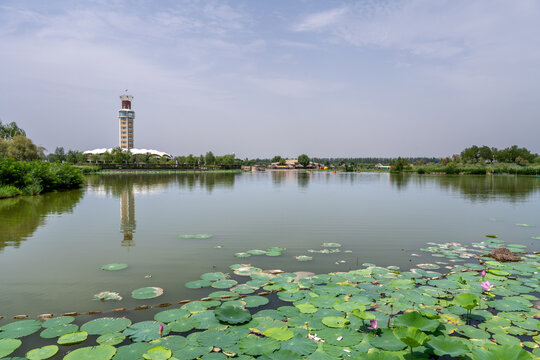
point(160, 330)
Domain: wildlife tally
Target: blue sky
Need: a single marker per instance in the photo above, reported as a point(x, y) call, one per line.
point(260, 78)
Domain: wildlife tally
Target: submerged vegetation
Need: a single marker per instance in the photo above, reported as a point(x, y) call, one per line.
point(479, 309)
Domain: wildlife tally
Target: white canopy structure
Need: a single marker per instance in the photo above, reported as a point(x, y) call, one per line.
point(133, 151)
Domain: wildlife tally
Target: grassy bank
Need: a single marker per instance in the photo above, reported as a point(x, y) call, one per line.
point(475, 169)
point(35, 177)
point(116, 172)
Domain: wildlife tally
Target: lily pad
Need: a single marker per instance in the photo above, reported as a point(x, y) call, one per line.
point(255, 301)
point(114, 267)
point(101, 352)
point(107, 295)
point(303, 258)
point(157, 353)
point(62, 320)
point(56, 331)
point(335, 321)
point(415, 319)
point(445, 345)
point(42, 353)
point(232, 315)
point(467, 301)
point(331, 245)
point(279, 333)
point(72, 338)
point(7, 346)
point(19, 329)
point(253, 345)
point(112, 338)
point(147, 293)
point(168, 316)
point(105, 325)
point(197, 284)
point(214, 276)
point(411, 336)
point(242, 255)
point(145, 331)
point(224, 284)
point(256, 252)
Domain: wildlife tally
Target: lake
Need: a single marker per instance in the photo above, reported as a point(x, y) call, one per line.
point(52, 246)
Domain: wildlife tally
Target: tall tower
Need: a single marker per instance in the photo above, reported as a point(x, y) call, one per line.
point(126, 116)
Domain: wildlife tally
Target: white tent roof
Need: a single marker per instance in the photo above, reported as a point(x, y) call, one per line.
point(133, 151)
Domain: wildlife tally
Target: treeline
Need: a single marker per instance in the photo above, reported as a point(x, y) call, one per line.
point(22, 172)
point(486, 154)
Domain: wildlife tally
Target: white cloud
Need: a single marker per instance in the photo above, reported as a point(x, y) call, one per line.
point(320, 20)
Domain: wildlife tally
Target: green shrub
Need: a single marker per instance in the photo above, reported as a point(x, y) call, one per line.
point(420, 171)
point(8, 191)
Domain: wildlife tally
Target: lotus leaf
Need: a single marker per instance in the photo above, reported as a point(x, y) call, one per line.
point(7, 346)
point(223, 284)
point(168, 316)
point(145, 331)
point(19, 329)
point(147, 293)
point(105, 325)
point(415, 319)
point(386, 341)
point(72, 338)
point(306, 308)
point(303, 258)
point(279, 333)
point(192, 352)
point(300, 344)
point(197, 284)
point(335, 321)
point(132, 351)
point(195, 236)
point(508, 304)
point(232, 315)
point(112, 338)
point(214, 356)
point(364, 315)
point(101, 352)
point(445, 345)
point(172, 342)
point(411, 336)
point(331, 245)
point(221, 339)
point(243, 289)
point(340, 337)
point(378, 355)
point(467, 301)
point(255, 301)
point(42, 353)
point(273, 253)
point(525, 225)
point(57, 331)
point(256, 252)
point(114, 267)
point(62, 320)
point(253, 345)
point(157, 353)
point(507, 352)
point(207, 320)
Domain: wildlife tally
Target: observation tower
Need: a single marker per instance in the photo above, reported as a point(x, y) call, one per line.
point(126, 116)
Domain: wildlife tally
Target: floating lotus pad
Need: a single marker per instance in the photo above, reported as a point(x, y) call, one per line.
point(105, 325)
point(7, 346)
point(114, 267)
point(197, 284)
point(112, 338)
point(195, 236)
point(242, 255)
point(303, 258)
point(232, 315)
point(214, 276)
point(147, 293)
point(256, 252)
point(72, 338)
point(224, 284)
point(145, 331)
point(62, 320)
point(101, 352)
point(157, 353)
point(42, 353)
point(57, 331)
point(168, 316)
point(19, 329)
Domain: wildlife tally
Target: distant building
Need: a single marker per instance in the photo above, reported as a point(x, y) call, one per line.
point(292, 164)
point(382, 167)
point(126, 117)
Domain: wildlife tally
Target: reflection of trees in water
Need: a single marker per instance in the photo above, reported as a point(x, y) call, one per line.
point(303, 179)
point(21, 216)
point(400, 181)
point(116, 184)
point(475, 188)
point(125, 186)
point(483, 188)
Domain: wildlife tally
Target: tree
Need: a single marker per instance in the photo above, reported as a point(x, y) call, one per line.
point(400, 164)
point(59, 154)
point(209, 159)
point(9, 131)
point(277, 159)
point(303, 160)
point(22, 148)
point(485, 153)
point(470, 154)
point(3, 148)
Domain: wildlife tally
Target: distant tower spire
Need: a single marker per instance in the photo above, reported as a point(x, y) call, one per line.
point(126, 117)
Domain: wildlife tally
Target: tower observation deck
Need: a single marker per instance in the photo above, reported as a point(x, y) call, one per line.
point(126, 117)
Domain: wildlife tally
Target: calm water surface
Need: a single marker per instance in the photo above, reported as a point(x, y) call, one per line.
point(51, 246)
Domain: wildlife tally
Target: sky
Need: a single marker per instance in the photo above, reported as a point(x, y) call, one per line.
point(281, 77)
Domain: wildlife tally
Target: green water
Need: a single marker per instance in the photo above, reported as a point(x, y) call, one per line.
point(51, 246)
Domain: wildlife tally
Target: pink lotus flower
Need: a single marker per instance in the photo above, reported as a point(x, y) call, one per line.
point(483, 273)
point(160, 330)
point(486, 285)
point(315, 337)
point(373, 325)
